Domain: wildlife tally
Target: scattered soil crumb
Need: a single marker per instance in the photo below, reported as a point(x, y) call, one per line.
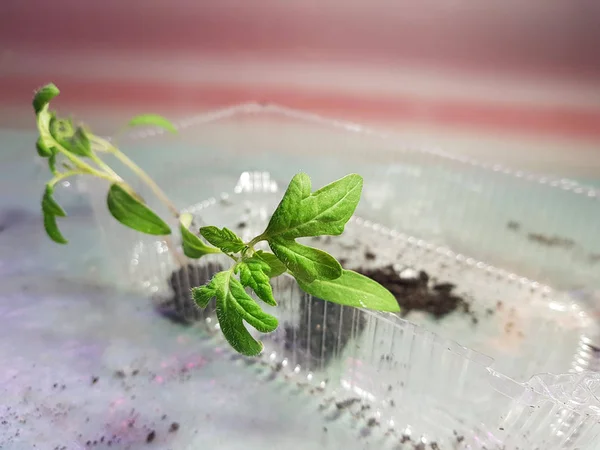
point(151, 436)
point(174, 427)
point(347, 403)
point(95, 379)
point(513, 225)
point(372, 422)
point(120, 373)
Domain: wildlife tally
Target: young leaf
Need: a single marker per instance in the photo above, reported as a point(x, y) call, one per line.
point(324, 212)
point(224, 239)
point(43, 150)
point(51, 209)
point(249, 309)
point(74, 140)
point(52, 163)
point(193, 247)
point(133, 214)
point(235, 332)
point(203, 294)
point(253, 274)
point(306, 263)
point(233, 306)
point(276, 267)
point(49, 205)
point(43, 96)
point(153, 120)
point(52, 228)
point(353, 289)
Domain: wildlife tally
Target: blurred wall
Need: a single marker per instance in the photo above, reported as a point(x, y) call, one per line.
point(525, 65)
point(550, 37)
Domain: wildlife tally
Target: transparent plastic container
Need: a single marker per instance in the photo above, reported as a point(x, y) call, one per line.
point(457, 219)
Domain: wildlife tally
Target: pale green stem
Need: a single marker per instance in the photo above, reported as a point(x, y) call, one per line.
point(108, 147)
point(256, 240)
point(63, 175)
point(140, 173)
point(105, 167)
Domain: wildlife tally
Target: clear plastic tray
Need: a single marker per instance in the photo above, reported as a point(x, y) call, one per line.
point(390, 374)
point(531, 319)
point(550, 330)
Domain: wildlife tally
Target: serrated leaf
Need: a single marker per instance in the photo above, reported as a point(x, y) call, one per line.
point(74, 140)
point(276, 267)
point(324, 212)
point(249, 309)
point(203, 294)
point(153, 120)
point(49, 205)
point(235, 332)
point(225, 239)
point(43, 96)
point(234, 306)
point(306, 263)
point(134, 214)
point(43, 150)
point(353, 289)
point(253, 274)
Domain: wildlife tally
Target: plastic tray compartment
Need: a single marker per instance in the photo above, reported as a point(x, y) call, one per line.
point(520, 245)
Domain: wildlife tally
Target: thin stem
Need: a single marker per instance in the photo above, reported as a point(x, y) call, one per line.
point(256, 240)
point(105, 167)
point(64, 175)
point(140, 173)
point(80, 164)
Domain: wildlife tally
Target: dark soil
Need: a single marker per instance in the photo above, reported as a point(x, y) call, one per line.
point(181, 307)
point(415, 291)
point(324, 331)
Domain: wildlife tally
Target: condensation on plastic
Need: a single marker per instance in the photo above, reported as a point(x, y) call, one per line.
point(385, 370)
point(418, 382)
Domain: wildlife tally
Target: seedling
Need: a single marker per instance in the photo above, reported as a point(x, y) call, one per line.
point(301, 213)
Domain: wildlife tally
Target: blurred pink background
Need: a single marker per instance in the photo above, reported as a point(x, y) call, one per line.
point(517, 81)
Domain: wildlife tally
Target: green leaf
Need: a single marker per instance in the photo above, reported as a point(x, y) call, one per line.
point(234, 306)
point(249, 309)
point(276, 267)
point(306, 263)
point(43, 150)
point(203, 294)
point(153, 120)
point(353, 289)
point(193, 246)
point(44, 118)
point(225, 239)
point(52, 163)
point(52, 228)
point(51, 210)
point(43, 96)
point(74, 140)
point(235, 332)
point(324, 212)
point(134, 214)
point(49, 205)
point(253, 274)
